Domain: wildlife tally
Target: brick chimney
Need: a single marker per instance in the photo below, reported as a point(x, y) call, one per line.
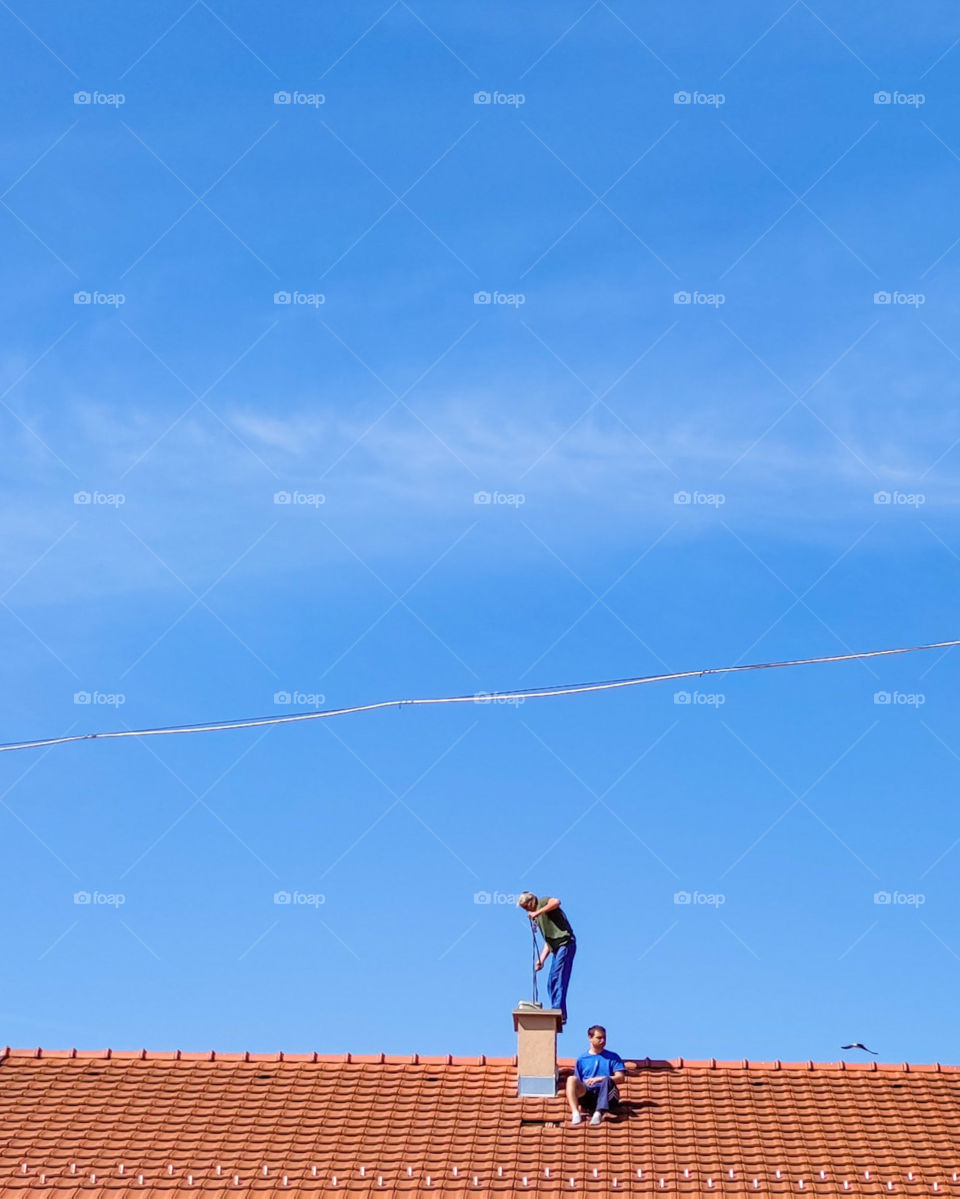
point(537, 1030)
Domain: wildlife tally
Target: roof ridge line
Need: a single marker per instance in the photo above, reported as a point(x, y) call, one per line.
point(679, 1063)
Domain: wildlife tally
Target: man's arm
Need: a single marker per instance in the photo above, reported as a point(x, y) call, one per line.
point(616, 1075)
point(550, 906)
point(544, 954)
point(598, 1079)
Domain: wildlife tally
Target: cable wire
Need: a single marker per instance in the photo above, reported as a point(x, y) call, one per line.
point(478, 697)
point(536, 958)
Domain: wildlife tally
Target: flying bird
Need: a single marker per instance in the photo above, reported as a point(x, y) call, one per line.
point(857, 1045)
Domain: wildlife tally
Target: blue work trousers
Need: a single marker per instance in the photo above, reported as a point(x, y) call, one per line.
point(559, 978)
point(605, 1090)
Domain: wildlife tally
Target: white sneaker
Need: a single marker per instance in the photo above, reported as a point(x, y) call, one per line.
point(576, 1118)
point(596, 1118)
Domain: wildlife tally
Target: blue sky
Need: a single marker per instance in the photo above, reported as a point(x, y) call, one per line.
point(671, 485)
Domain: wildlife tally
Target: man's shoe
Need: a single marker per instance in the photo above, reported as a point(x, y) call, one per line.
point(576, 1118)
point(596, 1118)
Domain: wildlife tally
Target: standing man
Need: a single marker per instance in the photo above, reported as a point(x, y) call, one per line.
point(558, 940)
point(596, 1073)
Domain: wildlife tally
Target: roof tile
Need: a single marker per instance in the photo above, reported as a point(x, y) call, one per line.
point(90, 1125)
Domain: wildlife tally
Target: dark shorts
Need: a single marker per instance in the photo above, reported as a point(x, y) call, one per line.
point(588, 1099)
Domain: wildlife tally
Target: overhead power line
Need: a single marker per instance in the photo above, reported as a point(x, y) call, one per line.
point(474, 698)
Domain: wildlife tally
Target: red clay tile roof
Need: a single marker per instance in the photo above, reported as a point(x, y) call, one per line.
point(105, 1125)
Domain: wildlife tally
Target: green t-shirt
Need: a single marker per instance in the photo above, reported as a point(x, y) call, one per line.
point(554, 926)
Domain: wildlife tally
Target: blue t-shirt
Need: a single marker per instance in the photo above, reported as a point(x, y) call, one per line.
point(604, 1063)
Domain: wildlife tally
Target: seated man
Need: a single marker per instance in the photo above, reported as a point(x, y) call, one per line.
point(595, 1074)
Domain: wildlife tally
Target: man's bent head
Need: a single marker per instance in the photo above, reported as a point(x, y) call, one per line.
point(527, 900)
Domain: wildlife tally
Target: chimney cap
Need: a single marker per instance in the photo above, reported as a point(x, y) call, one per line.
point(535, 1017)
